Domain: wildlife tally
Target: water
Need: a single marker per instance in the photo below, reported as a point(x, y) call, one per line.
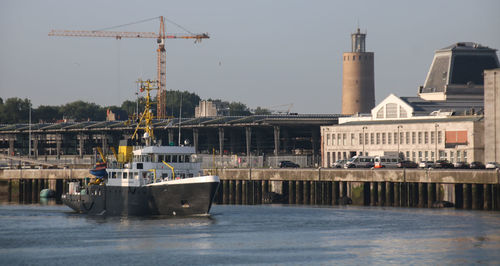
point(266, 234)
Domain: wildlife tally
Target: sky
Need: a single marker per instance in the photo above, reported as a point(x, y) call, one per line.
point(273, 54)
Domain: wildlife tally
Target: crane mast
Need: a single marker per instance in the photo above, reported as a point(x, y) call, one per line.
point(161, 36)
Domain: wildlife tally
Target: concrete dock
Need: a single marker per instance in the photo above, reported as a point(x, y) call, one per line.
point(462, 189)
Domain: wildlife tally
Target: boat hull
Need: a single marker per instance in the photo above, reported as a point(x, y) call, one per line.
point(184, 198)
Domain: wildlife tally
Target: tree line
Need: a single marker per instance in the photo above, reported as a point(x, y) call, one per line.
point(16, 110)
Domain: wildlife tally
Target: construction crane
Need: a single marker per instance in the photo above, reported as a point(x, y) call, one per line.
point(161, 53)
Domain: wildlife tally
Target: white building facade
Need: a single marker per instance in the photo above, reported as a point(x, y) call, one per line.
point(395, 127)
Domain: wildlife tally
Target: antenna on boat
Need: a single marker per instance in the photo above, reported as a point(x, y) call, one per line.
point(147, 116)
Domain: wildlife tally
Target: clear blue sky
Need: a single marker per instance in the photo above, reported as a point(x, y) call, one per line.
point(262, 53)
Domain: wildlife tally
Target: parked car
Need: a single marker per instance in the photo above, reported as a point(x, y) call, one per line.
point(339, 163)
point(386, 161)
point(407, 164)
point(288, 164)
point(443, 164)
point(477, 165)
point(461, 165)
point(360, 162)
point(426, 164)
point(492, 165)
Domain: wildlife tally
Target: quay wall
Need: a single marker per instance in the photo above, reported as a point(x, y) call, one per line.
point(429, 188)
point(462, 189)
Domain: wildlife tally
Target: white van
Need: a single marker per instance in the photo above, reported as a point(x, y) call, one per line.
point(386, 161)
point(360, 162)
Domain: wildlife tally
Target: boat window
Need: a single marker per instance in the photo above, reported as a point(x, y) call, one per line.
point(167, 159)
point(119, 175)
point(113, 174)
point(144, 174)
point(125, 175)
point(161, 158)
point(139, 165)
point(174, 158)
point(190, 175)
point(188, 158)
point(181, 158)
point(136, 175)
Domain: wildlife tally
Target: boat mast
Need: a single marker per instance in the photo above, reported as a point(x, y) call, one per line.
point(146, 120)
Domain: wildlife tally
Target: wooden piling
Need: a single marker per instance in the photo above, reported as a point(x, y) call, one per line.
point(468, 196)
point(422, 195)
point(487, 197)
point(307, 192)
point(298, 192)
point(335, 193)
point(477, 196)
point(397, 194)
point(238, 192)
point(383, 193)
point(225, 195)
point(459, 196)
point(374, 194)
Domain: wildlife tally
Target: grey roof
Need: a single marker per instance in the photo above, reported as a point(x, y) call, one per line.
point(458, 106)
point(474, 118)
point(466, 46)
point(216, 121)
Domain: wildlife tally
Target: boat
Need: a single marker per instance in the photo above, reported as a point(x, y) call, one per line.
point(146, 179)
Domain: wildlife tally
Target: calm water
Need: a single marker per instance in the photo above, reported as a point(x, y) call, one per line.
point(267, 234)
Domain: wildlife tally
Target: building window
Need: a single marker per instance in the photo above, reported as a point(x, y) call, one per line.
point(426, 137)
point(413, 137)
point(352, 138)
point(407, 155)
point(452, 157)
point(327, 159)
point(419, 137)
point(360, 138)
point(407, 137)
point(401, 137)
point(432, 156)
point(389, 140)
point(366, 138)
point(413, 156)
point(372, 139)
point(402, 112)
point(378, 138)
point(344, 139)
point(354, 58)
point(395, 138)
point(391, 110)
point(426, 155)
point(439, 137)
point(458, 156)
point(442, 155)
point(420, 156)
point(380, 113)
point(465, 156)
point(432, 137)
point(328, 139)
point(383, 138)
point(338, 139)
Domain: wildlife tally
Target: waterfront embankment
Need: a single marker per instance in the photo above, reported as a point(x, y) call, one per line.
point(462, 189)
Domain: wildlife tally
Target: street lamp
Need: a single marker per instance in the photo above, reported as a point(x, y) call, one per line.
point(436, 141)
point(399, 138)
point(364, 139)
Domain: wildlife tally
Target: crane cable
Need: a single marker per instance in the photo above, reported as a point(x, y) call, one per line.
point(145, 20)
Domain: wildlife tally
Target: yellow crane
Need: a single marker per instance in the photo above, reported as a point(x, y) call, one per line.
point(161, 53)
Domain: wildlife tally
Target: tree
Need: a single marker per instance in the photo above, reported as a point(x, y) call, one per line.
point(261, 111)
point(80, 111)
point(15, 110)
point(47, 113)
point(238, 109)
point(189, 102)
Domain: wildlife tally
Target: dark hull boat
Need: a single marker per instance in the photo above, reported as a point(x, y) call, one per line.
point(191, 196)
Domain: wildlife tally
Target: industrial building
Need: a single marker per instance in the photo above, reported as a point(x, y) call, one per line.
point(265, 139)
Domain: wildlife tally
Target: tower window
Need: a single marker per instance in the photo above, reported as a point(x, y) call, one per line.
point(354, 58)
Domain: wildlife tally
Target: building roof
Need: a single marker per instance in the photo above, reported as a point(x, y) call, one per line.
point(472, 118)
point(457, 106)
